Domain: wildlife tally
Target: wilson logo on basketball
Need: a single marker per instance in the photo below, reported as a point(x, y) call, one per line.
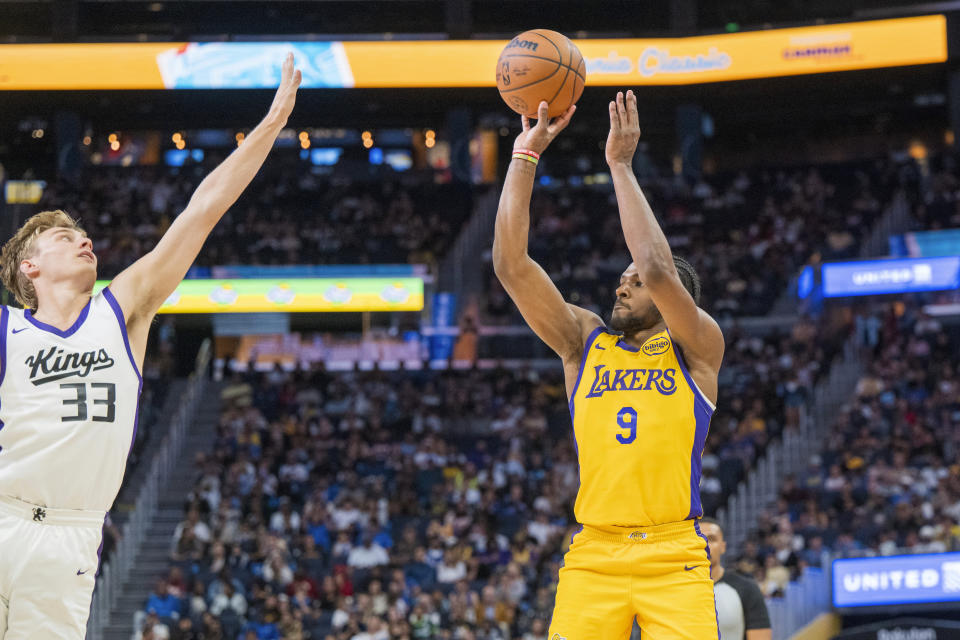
point(523, 44)
point(655, 346)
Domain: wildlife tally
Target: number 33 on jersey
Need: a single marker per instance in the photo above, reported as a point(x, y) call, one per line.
point(68, 406)
point(640, 424)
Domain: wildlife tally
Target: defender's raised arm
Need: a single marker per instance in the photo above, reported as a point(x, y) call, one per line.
point(141, 288)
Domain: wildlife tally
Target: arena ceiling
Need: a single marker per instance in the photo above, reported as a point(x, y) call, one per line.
point(109, 20)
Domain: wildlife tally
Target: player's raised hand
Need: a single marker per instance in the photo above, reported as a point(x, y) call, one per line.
point(624, 129)
point(286, 94)
point(539, 136)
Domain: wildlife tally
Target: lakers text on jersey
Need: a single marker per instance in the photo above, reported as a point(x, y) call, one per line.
point(640, 424)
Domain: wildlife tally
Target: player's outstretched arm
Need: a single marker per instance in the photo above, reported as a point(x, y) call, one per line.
point(557, 323)
point(142, 288)
point(692, 327)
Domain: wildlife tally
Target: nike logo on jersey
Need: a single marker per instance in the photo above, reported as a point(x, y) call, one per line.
point(596, 346)
point(686, 568)
point(63, 365)
point(19, 330)
point(80, 573)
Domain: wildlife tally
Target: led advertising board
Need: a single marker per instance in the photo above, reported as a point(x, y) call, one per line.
point(875, 277)
point(471, 63)
point(896, 580)
point(293, 295)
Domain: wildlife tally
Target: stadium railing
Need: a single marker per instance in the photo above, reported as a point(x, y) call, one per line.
point(461, 270)
point(807, 597)
point(803, 601)
point(792, 451)
point(113, 574)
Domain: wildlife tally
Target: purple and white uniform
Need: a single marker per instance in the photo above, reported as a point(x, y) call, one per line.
point(68, 416)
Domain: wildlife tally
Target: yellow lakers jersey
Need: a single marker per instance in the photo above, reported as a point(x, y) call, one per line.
point(640, 424)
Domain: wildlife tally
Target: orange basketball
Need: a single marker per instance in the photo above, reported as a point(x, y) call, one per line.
point(540, 65)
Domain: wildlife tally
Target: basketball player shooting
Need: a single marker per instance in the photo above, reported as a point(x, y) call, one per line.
point(70, 384)
point(641, 394)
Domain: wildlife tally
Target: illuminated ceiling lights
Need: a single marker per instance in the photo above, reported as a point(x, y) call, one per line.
point(430, 138)
point(304, 140)
point(367, 138)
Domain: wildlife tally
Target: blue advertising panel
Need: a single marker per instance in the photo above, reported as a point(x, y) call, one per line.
point(915, 579)
point(926, 244)
point(443, 316)
point(872, 277)
point(805, 283)
point(251, 65)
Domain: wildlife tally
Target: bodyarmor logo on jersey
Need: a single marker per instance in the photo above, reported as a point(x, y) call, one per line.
point(55, 364)
point(663, 380)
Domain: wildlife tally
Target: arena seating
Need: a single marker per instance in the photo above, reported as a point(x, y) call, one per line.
point(288, 216)
point(886, 478)
point(747, 234)
point(411, 501)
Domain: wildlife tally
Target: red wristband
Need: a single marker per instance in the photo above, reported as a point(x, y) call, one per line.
point(528, 152)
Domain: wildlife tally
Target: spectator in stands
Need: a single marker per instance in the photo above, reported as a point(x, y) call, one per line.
point(380, 219)
point(230, 599)
point(161, 611)
point(367, 555)
point(150, 628)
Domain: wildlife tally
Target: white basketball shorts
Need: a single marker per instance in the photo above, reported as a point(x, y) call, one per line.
point(48, 567)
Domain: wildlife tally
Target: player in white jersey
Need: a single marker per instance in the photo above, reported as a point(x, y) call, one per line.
point(70, 385)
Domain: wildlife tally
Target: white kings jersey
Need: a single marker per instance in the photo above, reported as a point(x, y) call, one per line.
point(68, 406)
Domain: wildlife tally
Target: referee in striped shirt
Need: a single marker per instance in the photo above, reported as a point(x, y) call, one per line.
point(741, 609)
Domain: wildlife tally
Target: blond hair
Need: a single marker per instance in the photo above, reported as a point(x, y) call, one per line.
point(20, 247)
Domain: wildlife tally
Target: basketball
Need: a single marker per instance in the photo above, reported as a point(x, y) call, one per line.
point(540, 65)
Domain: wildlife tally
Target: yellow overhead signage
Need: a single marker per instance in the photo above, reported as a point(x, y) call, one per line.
point(471, 63)
point(766, 54)
point(293, 295)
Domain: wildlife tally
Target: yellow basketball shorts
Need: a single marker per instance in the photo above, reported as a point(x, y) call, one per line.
point(659, 575)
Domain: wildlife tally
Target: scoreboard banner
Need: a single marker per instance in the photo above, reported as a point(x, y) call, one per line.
point(896, 580)
point(293, 295)
point(926, 244)
point(878, 277)
point(471, 63)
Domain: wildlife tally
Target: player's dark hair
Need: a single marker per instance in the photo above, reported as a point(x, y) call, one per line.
point(713, 521)
point(689, 278)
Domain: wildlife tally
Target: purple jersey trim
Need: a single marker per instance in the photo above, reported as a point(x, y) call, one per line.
point(4, 317)
point(49, 328)
point(702, 414)
point(696, 527)
point(117, 311)
point(583, 362)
